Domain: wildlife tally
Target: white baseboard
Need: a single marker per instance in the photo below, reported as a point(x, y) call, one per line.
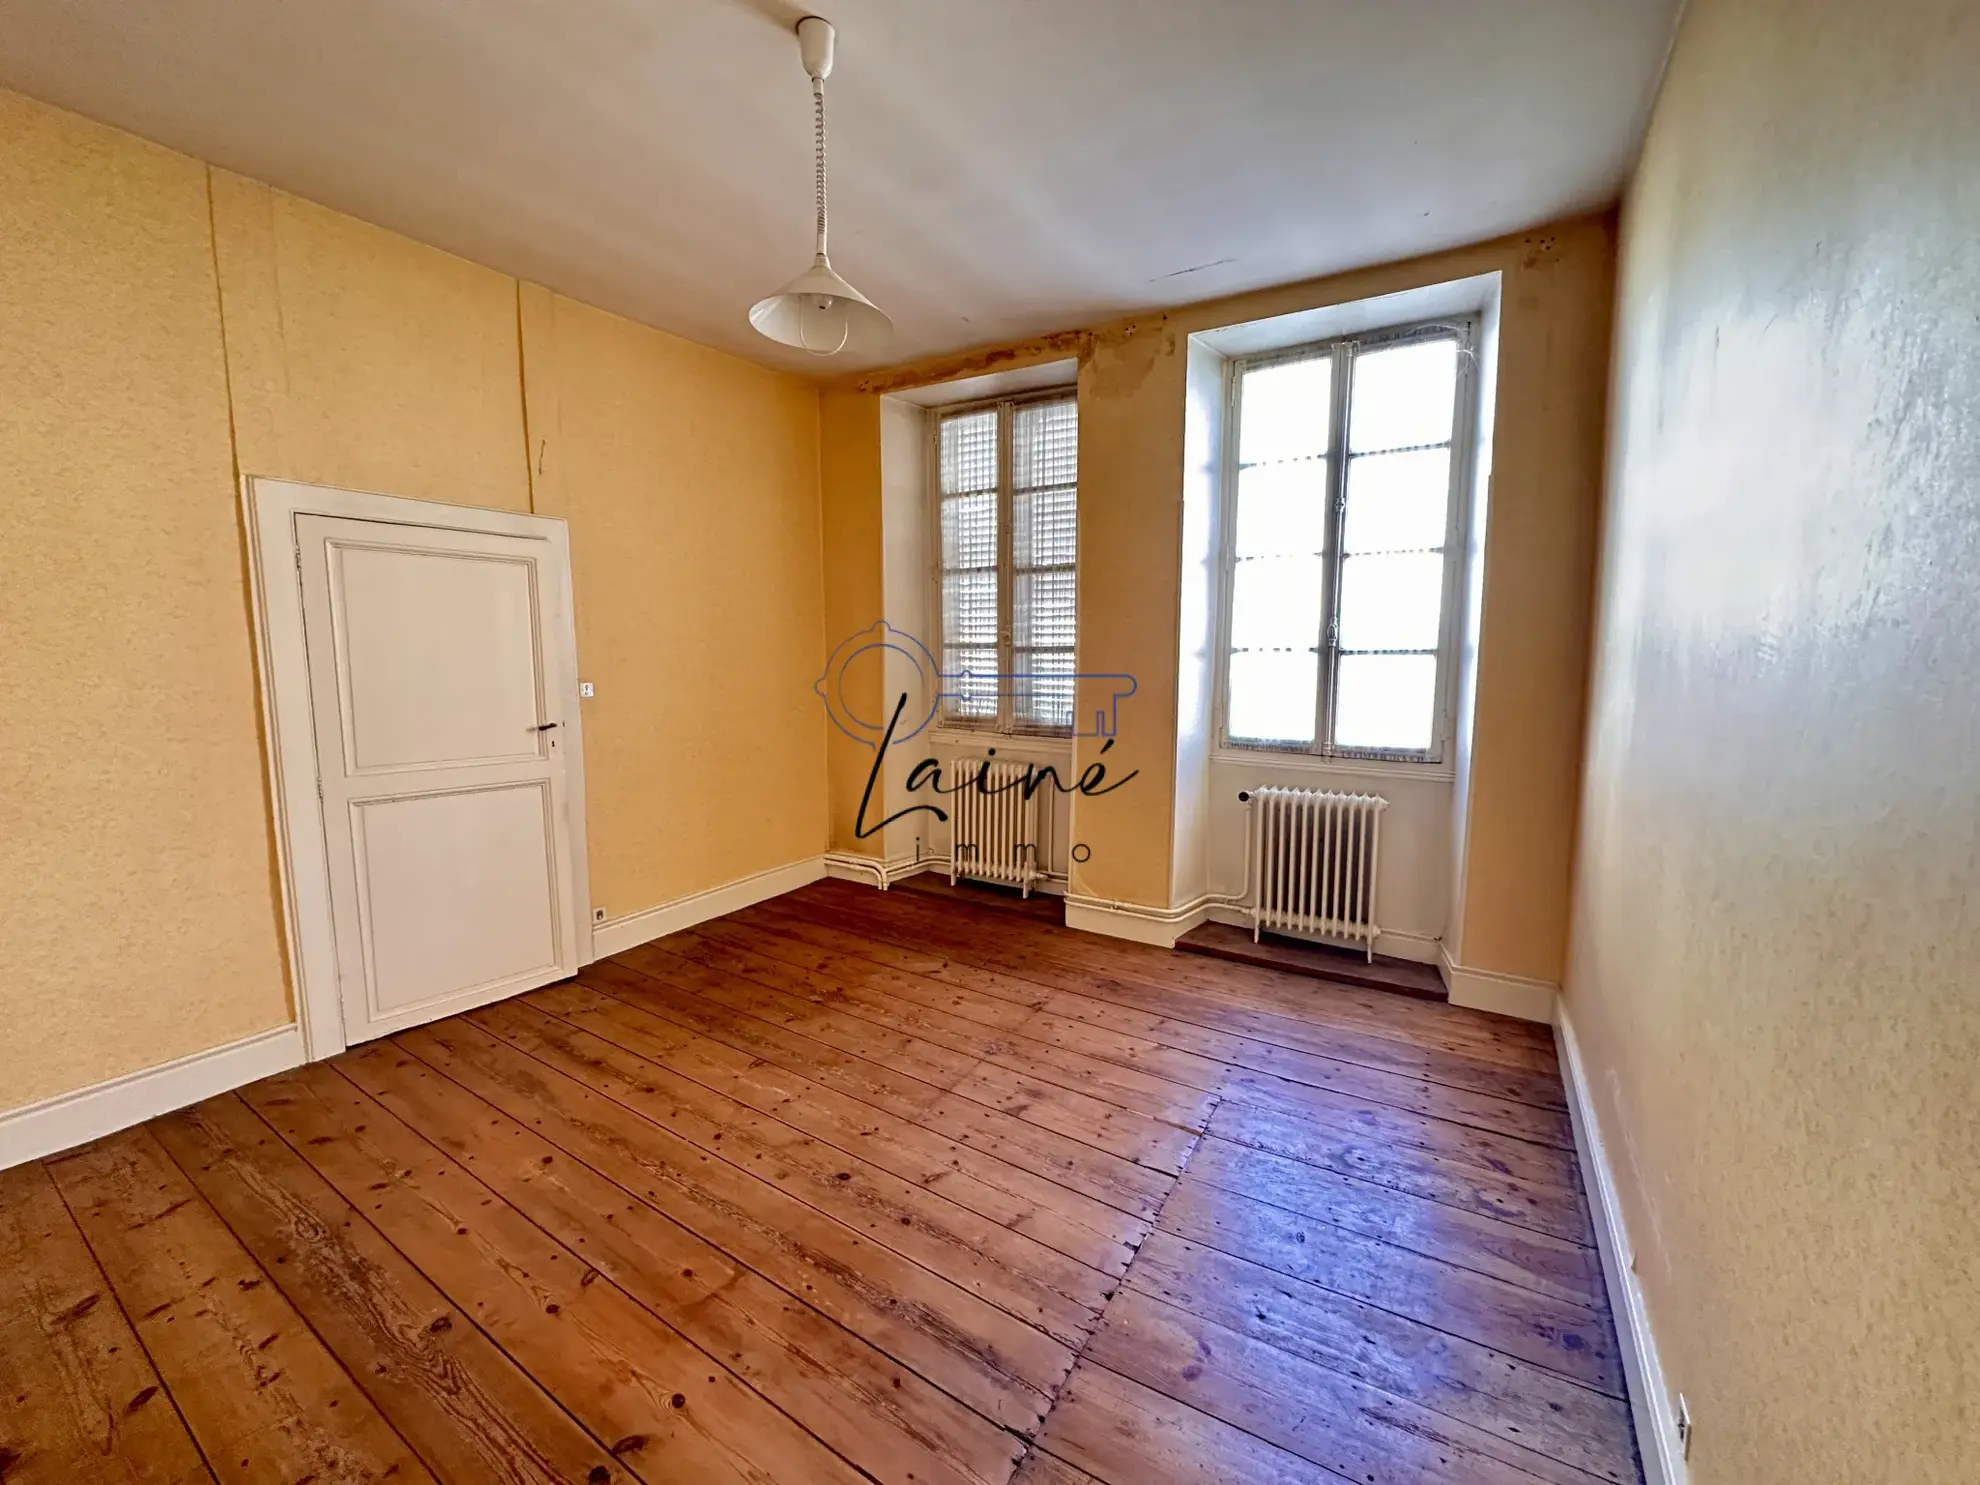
point(1116, 924)
point(619, 934)
point(1143, 925)
point(846, 866)
point(1651, 1407)
point(71, 1119)
point(1503, 995)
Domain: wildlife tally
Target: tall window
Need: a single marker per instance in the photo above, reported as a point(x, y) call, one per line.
point(1009, 502)
point(1342, 547)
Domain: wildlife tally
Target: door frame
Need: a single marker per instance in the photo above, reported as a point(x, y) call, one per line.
point(269, 508)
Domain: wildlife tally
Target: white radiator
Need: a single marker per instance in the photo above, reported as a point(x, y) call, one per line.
point(1314, 863)
point(993, 837)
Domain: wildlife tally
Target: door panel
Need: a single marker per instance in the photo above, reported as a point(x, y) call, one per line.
point(437, 702)
point(456, 892)
point(439, 656)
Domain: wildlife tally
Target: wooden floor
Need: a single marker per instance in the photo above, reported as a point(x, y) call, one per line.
point(1324, 962)
point(846, 1186)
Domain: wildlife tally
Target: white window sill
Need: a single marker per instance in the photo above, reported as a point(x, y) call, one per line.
point(1388, 768)
point(1007, 744)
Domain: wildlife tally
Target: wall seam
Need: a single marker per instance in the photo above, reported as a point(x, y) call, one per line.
point(277, 888)
point(220, 314)
point(522, 392)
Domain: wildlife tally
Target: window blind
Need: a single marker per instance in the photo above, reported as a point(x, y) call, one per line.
point(1009, 544)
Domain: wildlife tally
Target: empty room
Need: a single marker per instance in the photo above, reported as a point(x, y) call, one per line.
point(985, 742)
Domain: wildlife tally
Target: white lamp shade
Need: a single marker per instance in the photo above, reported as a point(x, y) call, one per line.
point(820, 312)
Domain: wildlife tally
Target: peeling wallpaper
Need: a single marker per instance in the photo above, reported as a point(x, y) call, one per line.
point(1557, 283)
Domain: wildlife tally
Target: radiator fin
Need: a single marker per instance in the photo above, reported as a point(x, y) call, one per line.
point(993, 826)
point(1315, 859)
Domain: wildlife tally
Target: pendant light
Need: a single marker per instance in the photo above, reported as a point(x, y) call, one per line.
point(818, 311)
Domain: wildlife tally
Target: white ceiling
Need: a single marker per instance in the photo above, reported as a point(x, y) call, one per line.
point(1000, 167)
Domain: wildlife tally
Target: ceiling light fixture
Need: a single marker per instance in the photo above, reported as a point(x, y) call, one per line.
point(818, 311)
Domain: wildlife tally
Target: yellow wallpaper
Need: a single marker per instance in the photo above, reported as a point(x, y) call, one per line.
point(1776, 924)
point(691, 482)
point(137, 883)
point(360, 358)
point(854, 581)
point(136, 865)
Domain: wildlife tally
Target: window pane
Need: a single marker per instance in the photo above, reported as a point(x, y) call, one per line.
point(1272, 695)
point(969, 531)
point(1391, 602)
point(1275, 604)
point(969, 608)
point(1282, 509)
point(1284, 411)
point(1045, 444)
point(1402, 396)
point(1044, 688)
point(1397, 502)
point(969, 452)
point(969, 680)
point(1385, 701)
point(1044, 609)
point(1044, 528)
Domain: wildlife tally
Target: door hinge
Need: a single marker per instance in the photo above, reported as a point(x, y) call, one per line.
point(299, 558)
point(319, 789)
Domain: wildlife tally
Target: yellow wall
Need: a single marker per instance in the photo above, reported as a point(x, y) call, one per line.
point(1533, 638)
point(137, 882)
point(1532, 646)
point(1776, 926)
point(360, 358)
point(690, 480)
point(137, 898)
point(854, 593)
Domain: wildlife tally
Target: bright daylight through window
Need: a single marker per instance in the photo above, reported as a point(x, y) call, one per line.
point(1342, 546)
point(1008, 522)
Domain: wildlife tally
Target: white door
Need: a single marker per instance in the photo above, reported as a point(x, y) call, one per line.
point(439, 711)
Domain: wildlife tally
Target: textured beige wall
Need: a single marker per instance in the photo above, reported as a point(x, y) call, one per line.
point(137, 903)
point(137, 886)
point(691, 482)
point(1529, 696)
point(363, 359)
point(1776, 928)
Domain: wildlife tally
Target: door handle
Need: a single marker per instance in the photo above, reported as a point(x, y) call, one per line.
point(546, 726)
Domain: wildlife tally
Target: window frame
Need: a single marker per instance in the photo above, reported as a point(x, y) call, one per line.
point(1006, 723)
point(1464, 430)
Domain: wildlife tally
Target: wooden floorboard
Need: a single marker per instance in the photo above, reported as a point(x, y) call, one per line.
point(621, 1370)
point(79, 1398)
point(452, 1393)
point(917, 1186)
point(262, 1395)
point(850, 1393)
point(1308, 1016)
point(1203, 1057)
point(1020, 1139)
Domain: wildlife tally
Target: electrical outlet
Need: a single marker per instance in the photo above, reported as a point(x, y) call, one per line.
point(586, 689)
point(598, 915)
point(1684, 1427)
